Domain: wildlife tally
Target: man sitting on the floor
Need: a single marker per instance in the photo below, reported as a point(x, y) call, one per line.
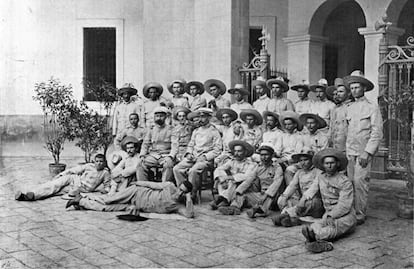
point(141, 196)
point(231, 174)
point(82, 178)
point(288, 202)
point(337, 195)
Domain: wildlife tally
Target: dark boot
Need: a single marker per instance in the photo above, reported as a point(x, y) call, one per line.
point(319, 246)
point(308, 233)
point(74, 202)
point(19, 196)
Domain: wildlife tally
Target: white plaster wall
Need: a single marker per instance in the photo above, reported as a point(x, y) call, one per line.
point(42, 39)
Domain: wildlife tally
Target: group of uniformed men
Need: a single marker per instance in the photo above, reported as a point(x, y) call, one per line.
point(260, 156)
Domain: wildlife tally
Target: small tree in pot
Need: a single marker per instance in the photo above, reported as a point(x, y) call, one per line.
point(54, 99)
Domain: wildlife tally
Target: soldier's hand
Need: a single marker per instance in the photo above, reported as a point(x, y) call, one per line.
point(363, 159)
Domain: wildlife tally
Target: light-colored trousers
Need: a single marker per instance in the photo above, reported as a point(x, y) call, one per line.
point(360, 179)
point(341, 226)
point(56, 184)
point(192, 170)
point(153, 162)
point(313, 207)
point(251, 199)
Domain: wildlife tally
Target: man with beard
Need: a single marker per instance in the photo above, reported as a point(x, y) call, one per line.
point(125, 107)
point(82, 178)
point(195, 89)
point(288, 202)
point(142, 196)
point(279, 102)
point(363, 139)
point(337, 195)
point(272, 133)
point(124, 173)
point(159, 148)
point(262, 91)
point(176, 88)
point(239, 92)
point(338, 125)
point(152, 91)
point(205, 145)
point(322, 106)
point(304, 104)
point(314, 139)
point(231, 174)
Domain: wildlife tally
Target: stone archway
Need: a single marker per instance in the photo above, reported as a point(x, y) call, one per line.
point(343, 51)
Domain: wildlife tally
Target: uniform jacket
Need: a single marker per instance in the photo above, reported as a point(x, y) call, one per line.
point(289, 144)
point(91, 178)
point(205, 140)
point(261, 104)
point(240, 170)
point(338, 126)
point(180, 101)
point(323, 109)
point(315, 142)
point(122, 112)
point(197, 102)
point(160, 140)
point(238, 106)
point(280, 104)
point(302, 181)
point(183, 133)
point(253, 136)
point(138, 133)
point(304, 106)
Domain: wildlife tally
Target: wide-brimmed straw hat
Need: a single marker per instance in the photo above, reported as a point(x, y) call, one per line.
point(321, 122)
point(253, 112)
point(330, 152)
point(233, 114)
point(249, 148)
point(290, 115)
point(180, 81)
point(220, 84)
point(260, 81)
point(358, 77)
point(150, 85)
point(238, 88)
point(322, 84)
point(129, 139)
point(270, 113)
point(303, 85)
point(280, 81)
point(127, 88)
point(199, 112)
point(179, 109)
point(306, 153)
point(198, 84)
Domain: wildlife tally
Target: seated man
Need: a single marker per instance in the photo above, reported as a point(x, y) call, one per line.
point(83, 178)
point(313, 137)
point(337, 195)
point(159, 148)
point(261, 191)
point(230, 130)
point(124, 173)
point(252, 129)
point(132, 130)
point(142, 196)
point(205, 145)
point(231, 174)
point(288, 201)
point(289, 143)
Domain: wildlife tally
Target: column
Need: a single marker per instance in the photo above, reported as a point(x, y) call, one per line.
point(305, 59)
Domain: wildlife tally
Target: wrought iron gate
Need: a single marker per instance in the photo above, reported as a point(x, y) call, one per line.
point(396, 83)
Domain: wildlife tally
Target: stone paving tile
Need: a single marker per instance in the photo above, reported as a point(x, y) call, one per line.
point(91, 256)
point(134, 260)
point(62, 258)
point(11, 263)
point(33, 259)
point(199, 260)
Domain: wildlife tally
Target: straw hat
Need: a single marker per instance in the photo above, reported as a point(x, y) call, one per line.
point(198, 84)
point(150, 85)
point(358, 77)
point(249, 148)
point(290, 115)
point(127, 88)
point(330, 152)
point(280, 81)
point(253, 112)
point(220, 84)
point(321, 122)
point(180, 81)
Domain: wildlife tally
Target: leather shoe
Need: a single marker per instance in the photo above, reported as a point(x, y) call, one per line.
point(19, 196)
point(319, 246)
point(308, 233)
point(74, 202)
point(229, 210)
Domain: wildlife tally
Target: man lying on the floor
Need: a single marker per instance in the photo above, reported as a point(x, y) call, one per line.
point(141, 196)
point(82, 178)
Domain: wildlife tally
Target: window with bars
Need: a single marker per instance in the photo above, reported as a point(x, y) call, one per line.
point(99, 57)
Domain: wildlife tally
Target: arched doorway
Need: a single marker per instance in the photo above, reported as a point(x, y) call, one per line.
point(344, 51)
point(338, 21)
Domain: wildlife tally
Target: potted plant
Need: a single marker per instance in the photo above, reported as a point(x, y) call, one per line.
point(54, 98)
point(401, 106)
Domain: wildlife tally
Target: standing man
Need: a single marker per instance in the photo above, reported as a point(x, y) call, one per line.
point(337, 196)
point(338, 128)
point(322, 106)
point(363, 139)
point(304, 104)
point(152, 91)
point(176, 88)
point(159, 148)
point(279, 102)
point(231, 174)
point(239, 92)
point(132, 130)
point(262, 91)
point(314, 139)
point(205, 145)
point(183, 130)
point(125, 107)
point(195, 89)
point(216, 88)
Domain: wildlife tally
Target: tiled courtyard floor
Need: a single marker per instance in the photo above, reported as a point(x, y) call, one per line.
point(43, 234)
